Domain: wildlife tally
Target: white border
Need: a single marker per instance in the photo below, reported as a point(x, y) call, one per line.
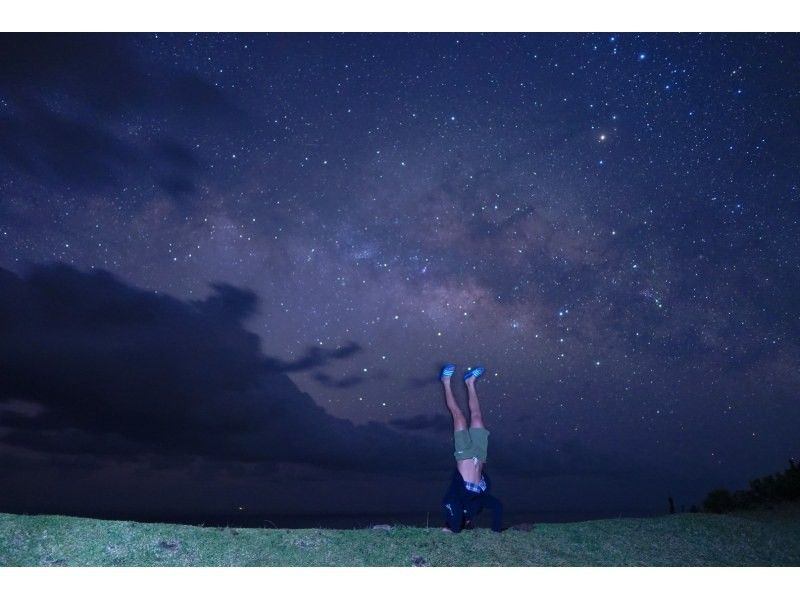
point(393, 582)
point(402, 15)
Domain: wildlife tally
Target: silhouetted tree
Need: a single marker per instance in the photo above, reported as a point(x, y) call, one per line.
point(771, 489)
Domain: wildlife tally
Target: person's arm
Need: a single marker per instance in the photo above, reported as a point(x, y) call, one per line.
point(453, 513)
point(493, 504)
point(452, 505)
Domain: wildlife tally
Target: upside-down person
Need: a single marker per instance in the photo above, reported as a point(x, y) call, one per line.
point(469, 491)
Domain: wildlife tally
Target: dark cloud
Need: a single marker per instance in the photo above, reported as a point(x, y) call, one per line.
point(313, 358)
point(97, 68)
point(69, 100)
point(90, 365)
point(229, 301)
point(58, 149)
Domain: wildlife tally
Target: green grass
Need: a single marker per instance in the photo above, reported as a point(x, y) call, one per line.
point(751, 538)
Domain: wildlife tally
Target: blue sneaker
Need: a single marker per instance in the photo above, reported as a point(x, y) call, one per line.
point(474, 373)
point(447, 371)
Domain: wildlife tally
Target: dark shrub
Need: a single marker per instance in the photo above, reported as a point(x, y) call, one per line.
point(766, 491)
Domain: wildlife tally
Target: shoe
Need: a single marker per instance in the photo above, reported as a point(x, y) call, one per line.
point(474, 373)
point(447, 371)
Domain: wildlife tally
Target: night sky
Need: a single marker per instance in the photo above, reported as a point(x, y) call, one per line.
point(231, 267)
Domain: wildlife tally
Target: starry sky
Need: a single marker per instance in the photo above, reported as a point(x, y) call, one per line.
point(231, 266)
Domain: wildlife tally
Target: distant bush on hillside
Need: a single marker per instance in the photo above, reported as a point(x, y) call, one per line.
point(718, 501)
point(775, 488)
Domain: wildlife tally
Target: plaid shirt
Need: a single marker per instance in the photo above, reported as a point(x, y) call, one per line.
point(479, 487)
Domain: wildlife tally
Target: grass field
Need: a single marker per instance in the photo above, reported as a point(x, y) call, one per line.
point(749, 538)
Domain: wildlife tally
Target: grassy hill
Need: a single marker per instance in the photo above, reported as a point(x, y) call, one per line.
point(747, 538)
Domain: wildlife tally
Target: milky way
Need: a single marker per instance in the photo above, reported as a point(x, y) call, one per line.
point(608, 223)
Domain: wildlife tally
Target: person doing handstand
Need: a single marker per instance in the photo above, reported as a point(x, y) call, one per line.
point(468, 493)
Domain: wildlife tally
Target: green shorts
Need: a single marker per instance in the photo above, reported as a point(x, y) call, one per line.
point(471, 443)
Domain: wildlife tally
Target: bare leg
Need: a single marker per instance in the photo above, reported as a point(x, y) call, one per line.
point(459, 421)
point(475, 419)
